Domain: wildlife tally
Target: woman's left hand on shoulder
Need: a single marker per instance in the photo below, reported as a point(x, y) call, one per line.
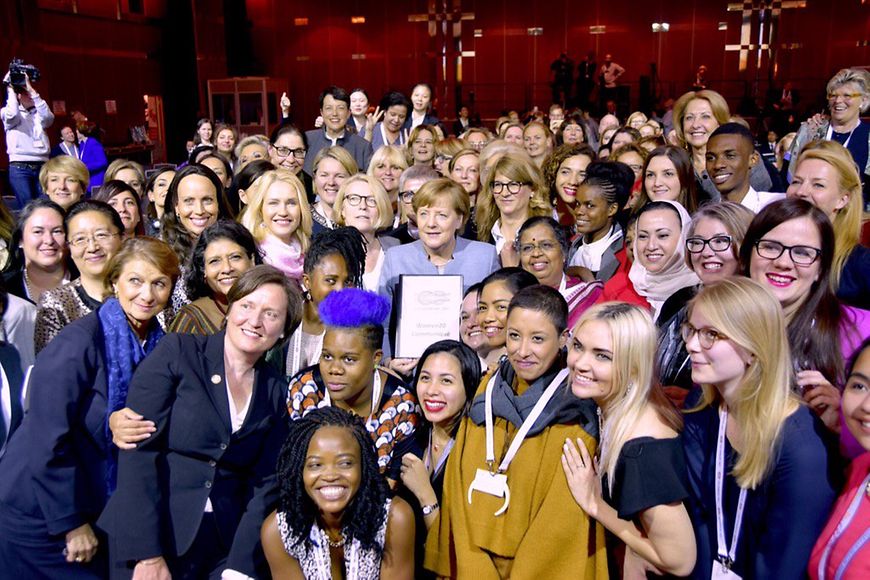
point(822, 397)
point(582, 475)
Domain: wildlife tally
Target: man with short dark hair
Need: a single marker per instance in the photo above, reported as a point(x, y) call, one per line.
point(730, 156)
point(335, 110)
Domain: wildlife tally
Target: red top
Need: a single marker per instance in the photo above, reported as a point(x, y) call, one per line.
point(620, 288)
point(860, 564)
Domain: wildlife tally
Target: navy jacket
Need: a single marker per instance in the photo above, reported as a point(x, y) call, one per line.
point(55, 464)
point(163, 484)
point(11, 363)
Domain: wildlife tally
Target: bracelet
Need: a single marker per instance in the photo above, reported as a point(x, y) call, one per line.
point(429, 509)
point(150, 561)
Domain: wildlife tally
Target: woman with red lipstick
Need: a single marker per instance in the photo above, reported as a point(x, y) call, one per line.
point(280, 220)
point(542, 246)
point(841, 551)
point(636, 487)
point(335, 517)
point(348, 376)
point(789, 249)
point(564, 171)
point(60, 466)
point(93, 232)
point(506, 511)
point(223, 252)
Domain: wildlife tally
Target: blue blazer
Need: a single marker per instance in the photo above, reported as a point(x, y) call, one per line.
point(193, 456)
point(54, 469)
point(11, 363)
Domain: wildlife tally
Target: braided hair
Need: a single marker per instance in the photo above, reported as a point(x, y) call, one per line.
point(365, 514)
point(614, 180)
point(348, 243)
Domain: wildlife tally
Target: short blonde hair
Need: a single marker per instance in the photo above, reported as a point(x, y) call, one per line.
point(443, 188)
point(717, 103)
point(338, 153)
point(516, 168)
point(734, 216)
point(856, 76)
point(64, 164)
point(391, 154)
point(752, 320)
point(252, 218)
point(847, 221)
point(382, 200)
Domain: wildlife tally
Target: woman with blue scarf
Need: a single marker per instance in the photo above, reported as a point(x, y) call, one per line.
point(60, 466)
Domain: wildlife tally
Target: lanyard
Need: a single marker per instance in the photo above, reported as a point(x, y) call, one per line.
point(830, 133)
point(524, 428)
point(840, 530)
point(444, 455)
point(296, 352)
point(726, 556)
point(377, 392)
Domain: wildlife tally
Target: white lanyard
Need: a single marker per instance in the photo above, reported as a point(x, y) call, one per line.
point(524, 428)
point(296, 352)
point(726, 556)
point(830, 134)
point(444, 455)
point(840, 530)
point(377, 392)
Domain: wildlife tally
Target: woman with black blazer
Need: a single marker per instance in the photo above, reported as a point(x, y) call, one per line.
point(192, 496)
point(59, 465)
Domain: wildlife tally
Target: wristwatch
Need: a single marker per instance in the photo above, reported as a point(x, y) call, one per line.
point(429, 509)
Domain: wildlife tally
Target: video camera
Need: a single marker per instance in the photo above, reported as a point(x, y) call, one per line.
point(17, 72)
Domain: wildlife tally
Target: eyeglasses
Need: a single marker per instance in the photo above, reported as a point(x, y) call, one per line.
point(286, 151)
point(513, 187)
point(800, 255)
point(407, 196)
point(707, 337)
point(98, 238)
point(355, 200)
point(696, 245)
point(832, 97)
point(546, 247)
point(443, 158)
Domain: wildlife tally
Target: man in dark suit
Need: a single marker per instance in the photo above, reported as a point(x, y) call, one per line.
point(335, 110)
point(11, 410)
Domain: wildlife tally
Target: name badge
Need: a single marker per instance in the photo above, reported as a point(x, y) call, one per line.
point(493, 484)
point(722, 572)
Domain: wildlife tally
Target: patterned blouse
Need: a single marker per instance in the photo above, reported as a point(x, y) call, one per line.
point(391, 426)
point(59, 307)
point(316, 560)
point(197, 318)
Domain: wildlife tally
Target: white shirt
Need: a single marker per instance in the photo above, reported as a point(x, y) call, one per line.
point(757, 200)
point(498, 236)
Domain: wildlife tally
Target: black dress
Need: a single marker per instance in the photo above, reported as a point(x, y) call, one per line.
point(649, 472)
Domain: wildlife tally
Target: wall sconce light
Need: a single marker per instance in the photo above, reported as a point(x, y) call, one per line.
point(723, 26)
point(357, 19)
point(478, 33)
point(661, 26)
point(538, 31)
point(600, 29)
point(300, 22)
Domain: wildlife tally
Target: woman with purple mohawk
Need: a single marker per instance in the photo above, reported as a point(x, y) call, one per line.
point(348, 376)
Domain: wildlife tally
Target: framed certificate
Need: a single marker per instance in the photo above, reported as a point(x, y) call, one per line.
point(429, 308)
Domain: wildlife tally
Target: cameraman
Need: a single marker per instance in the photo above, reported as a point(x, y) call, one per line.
point(25, 118)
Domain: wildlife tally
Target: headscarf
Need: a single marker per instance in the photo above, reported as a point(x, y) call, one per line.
point(675, 275)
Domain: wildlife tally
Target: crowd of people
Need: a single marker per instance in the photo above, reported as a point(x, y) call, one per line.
point(662, 366)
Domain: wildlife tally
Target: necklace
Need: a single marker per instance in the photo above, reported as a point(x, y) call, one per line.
point(335, 543)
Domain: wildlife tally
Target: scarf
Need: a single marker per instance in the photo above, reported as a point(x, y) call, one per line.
point(563, 408)
point(123, 353)
point(286, 257)
point(675, 275)
point(589, 255)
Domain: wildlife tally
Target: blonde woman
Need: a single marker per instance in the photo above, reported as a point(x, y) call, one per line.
point(332, 166)
point(362, 203)
point(754, 453)
point(826, 176)
point(696, 115)
point(638, 485)
point(421, 145)
point(127, 171)
point(514, 191)
point(386, 166)
point(279, 218)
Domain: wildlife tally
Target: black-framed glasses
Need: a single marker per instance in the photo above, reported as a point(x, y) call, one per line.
point(707, 337)
point(800, 255)
point(545, 246)
point(354, 200)
point(513, 187)
point(286, 152)
point(407, 196)
point(696, 244)
point(99, 239)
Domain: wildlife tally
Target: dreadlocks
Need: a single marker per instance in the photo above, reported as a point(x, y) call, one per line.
point(365, 514)
point(346, 242)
